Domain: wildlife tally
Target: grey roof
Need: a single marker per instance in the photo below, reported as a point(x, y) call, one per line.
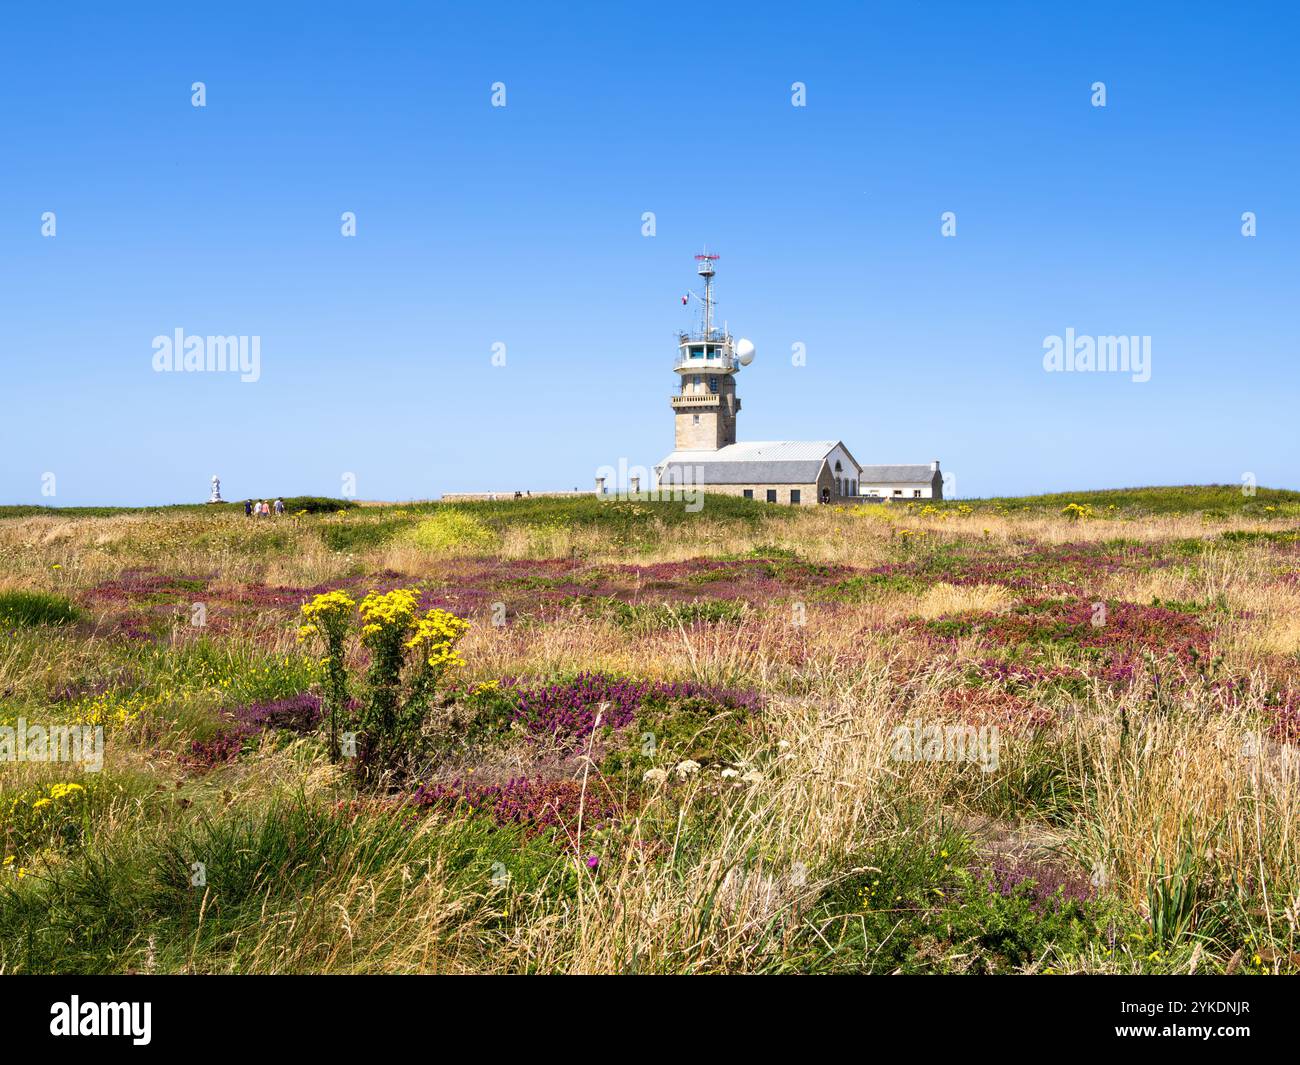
point(910, 474)
point(751, 462)
point(741, 471)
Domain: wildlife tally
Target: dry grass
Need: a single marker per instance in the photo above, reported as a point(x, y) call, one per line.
point(1123, 784)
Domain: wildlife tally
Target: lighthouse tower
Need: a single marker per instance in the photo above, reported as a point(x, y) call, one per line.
point(706, 403)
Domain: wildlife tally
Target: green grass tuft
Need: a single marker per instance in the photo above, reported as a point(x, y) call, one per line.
point(25, 608)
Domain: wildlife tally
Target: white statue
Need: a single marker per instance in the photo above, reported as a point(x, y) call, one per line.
point(216, 490)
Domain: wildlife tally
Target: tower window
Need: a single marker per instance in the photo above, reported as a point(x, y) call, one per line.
point(713, 384)
point(695, 419)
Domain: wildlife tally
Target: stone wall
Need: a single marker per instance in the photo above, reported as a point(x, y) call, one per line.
point(716, 412)
point(706, 436)
point(483, 497)
point(808, 493)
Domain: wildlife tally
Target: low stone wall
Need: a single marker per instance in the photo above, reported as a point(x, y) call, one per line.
point(484, 497)
point(807, 492)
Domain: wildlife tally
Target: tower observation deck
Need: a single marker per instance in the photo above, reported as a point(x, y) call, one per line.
point(707, 361)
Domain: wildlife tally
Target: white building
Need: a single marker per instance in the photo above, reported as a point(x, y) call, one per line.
point(902, 482)
point(799, 472)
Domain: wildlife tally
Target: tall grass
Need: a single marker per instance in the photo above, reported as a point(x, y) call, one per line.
point(28, 608)
point(1176, 802)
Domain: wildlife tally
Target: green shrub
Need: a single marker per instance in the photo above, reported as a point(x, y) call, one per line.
point(359, 534)
point(691, 727)
point(931, 904)
point(42, 817)
point(1214, 500)
point(452, 530)
point(409, 654)
point(473, 722)
point(317, 504)
point(23, 608)
point(866, 586)
point(646, 617)
point(132, 905)
point(1250, 536)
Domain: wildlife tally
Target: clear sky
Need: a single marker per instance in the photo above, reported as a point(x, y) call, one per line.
point(522, 225)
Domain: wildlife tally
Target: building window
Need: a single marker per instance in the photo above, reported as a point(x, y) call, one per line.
point(695, 419)
point(748, 493)
point(898, 491)
point(839, 487)
point(795, 496)
point(771, 495)
point(713, 384)
point(916, 493)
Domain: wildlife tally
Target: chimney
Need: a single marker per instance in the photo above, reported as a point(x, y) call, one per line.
point(600, 486)
point(636, 484)
point(934, 466)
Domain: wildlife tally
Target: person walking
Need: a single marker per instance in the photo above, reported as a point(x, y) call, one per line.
point(248, 508)
point(279, 506)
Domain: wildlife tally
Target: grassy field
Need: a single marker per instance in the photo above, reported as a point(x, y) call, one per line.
point(1044, 735)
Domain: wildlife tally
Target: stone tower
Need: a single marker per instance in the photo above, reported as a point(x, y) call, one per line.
point(706, 403)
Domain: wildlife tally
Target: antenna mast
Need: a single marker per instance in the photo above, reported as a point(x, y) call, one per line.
point(706, 270)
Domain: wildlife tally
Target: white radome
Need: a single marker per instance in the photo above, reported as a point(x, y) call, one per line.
point(744, 351)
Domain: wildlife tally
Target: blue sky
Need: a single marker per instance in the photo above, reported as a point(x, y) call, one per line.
point(522, 225)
